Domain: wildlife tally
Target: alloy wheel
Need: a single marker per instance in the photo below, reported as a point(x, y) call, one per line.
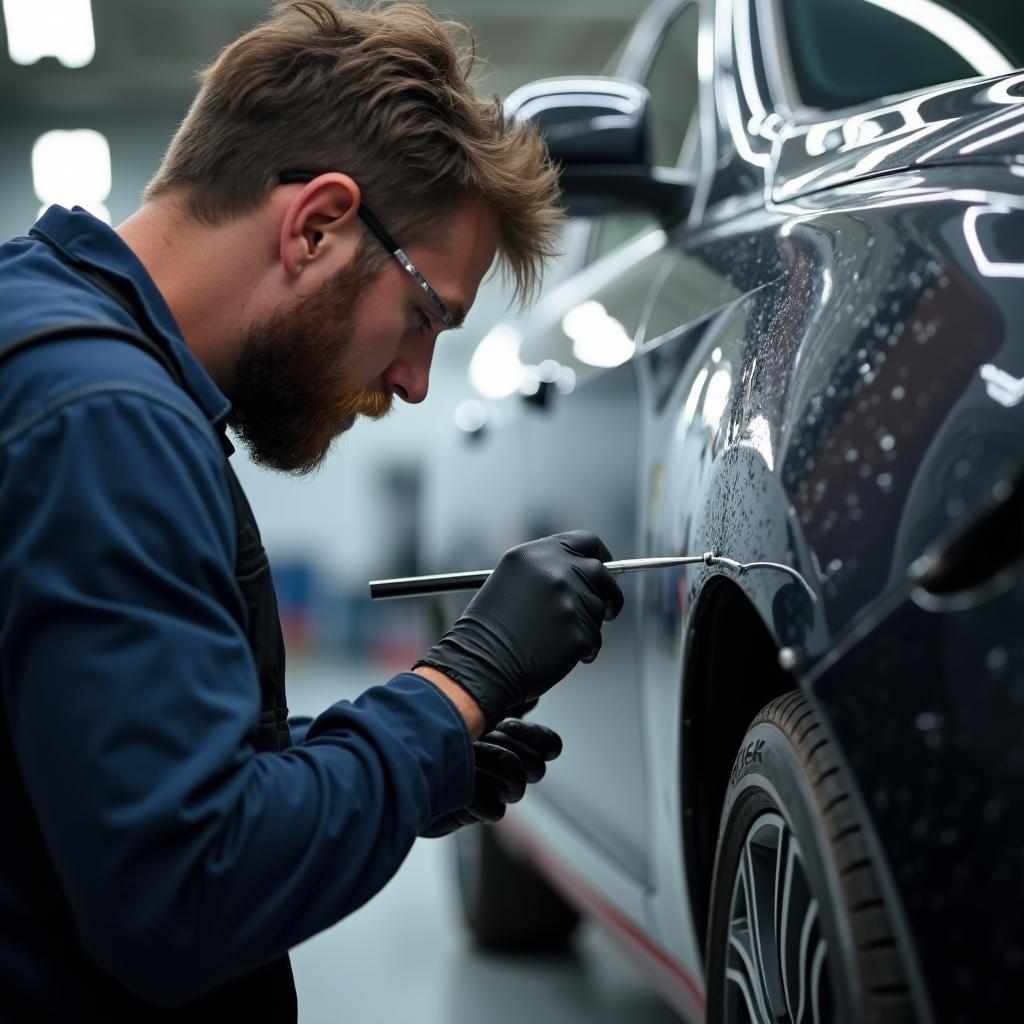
point(777, 961)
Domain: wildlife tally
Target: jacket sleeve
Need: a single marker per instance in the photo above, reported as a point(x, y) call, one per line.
point(186, 857)
point(298, 726)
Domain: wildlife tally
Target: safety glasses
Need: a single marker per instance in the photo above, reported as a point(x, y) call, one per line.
point(378, 229)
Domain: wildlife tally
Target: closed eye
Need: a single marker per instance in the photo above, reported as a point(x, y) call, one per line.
point(425, 326)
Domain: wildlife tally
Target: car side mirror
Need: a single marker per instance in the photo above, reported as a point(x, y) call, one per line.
point(598, 131)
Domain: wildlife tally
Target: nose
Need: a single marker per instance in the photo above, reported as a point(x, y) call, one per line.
point(408, 376)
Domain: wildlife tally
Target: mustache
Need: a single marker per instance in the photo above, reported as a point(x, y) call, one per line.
point(373, 403)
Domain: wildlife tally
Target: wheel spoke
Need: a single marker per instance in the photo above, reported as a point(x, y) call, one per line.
point(746, 978)
point(742, 969)
point(762, 851)
point(755, 904)
point(783, 913)
point(817, 976)
point(805, 945)
point(777, 959)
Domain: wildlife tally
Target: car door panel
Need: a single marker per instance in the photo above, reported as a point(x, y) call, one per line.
point(585, 465)
point(841, 375)
point(584, 451)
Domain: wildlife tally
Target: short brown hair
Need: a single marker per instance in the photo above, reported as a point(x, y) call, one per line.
point(381, 92)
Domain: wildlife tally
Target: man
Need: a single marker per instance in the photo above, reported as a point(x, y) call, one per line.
point(166, 840)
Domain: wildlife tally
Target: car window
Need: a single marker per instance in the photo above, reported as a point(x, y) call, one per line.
point(673, 84)
point(845, 52)
point(672, 81)
point(616, 229)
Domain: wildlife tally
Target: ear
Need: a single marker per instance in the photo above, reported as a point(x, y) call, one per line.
point(318, 221)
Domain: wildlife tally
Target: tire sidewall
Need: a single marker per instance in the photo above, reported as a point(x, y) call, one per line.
point(468, 844)
point(769, 774)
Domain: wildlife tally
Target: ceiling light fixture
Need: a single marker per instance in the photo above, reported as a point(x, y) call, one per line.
point(73, 168)
point(50, 28)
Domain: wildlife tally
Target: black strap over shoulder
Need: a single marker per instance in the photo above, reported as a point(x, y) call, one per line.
point(252, 569)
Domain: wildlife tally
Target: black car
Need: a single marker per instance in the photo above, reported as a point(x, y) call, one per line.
point(793, 336)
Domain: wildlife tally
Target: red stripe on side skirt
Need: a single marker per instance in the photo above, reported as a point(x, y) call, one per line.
point(676, 983)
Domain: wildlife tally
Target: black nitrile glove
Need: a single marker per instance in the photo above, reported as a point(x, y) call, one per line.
point(538, 614)
point(506, 760)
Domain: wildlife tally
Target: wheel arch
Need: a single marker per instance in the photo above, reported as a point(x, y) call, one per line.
point(731, 671)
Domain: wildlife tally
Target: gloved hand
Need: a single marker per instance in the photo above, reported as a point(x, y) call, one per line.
point(538, 614)
point(506, 760)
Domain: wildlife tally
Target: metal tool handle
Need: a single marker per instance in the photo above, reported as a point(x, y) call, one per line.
point(443, 583)
point(418, 586)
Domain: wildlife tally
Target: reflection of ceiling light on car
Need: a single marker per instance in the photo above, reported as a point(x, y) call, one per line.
point(598, 339)
point(1001, 386)
point(50, 28)
point(690, 409)
point(989, 139)
point(985, 264)
point(758, 436)
point(716, 398)
point(73, 168)
point(495, 370)
point(959, 35)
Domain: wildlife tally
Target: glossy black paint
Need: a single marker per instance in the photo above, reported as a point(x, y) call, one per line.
point(828, 373)
point(928, 705)
point(889, 409)
point(972, 122)
point(856, 429)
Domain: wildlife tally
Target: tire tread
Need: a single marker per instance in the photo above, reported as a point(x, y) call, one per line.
point(886, 996)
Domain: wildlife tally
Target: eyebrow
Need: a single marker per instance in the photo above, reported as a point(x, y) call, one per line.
point(458, 312)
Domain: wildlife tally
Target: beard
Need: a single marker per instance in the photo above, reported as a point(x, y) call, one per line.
point(291, 394)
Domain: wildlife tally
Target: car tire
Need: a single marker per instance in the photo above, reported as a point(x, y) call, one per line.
point(506, 903)
point(798, 927)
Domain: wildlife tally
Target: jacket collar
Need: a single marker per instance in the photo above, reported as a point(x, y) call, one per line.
point(82, 238)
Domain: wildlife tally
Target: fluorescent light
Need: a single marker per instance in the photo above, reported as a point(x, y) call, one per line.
point(50, 28)
point(959, 35)
point(495, 370)
point(598, 339)
point(73, 168)
point(471, 415)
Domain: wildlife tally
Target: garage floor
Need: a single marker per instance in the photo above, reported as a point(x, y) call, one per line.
point(404, 956)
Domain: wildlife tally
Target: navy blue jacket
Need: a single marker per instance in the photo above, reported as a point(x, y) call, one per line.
point(142, 834)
